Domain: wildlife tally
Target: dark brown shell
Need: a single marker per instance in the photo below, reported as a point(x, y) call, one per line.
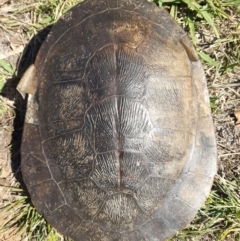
point(118, 141)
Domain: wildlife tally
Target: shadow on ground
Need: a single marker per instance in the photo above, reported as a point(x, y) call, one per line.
point(10, 92)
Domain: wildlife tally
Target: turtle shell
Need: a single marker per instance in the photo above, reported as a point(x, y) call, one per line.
point(118, 142)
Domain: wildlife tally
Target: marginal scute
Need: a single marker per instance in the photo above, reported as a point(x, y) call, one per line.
point(149, 11)
point(194, 189)
point(156, 229)
point(92, 7)
point(189, 48)
point(48, 191)
point(90, 231)
point(72, 220)
point(36, 170)
point(133, 236)
point(202, 160)
point(31, 141)
point(128, 4)
point(177, 33)
point(175, 214)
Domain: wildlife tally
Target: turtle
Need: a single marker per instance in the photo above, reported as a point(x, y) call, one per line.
point(118, 140)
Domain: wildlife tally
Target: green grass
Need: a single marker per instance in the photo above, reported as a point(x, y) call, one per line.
point(192, 14)
point(25, 219)
point(6, 66)
point(220, 216)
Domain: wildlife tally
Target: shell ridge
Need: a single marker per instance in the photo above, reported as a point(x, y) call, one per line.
point(101, 207)
point(138, 5)
point(64, 204)
point(73, 180)
point(46, 180)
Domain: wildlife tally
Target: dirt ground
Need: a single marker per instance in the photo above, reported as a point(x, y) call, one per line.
point(223, 88)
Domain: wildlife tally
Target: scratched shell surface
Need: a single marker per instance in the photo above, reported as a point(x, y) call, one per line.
point(122, 144)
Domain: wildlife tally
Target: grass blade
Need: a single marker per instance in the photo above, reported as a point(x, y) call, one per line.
point(6, 66)
point(208, 59)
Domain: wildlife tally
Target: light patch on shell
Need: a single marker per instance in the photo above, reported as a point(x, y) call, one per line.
point(32, 109)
